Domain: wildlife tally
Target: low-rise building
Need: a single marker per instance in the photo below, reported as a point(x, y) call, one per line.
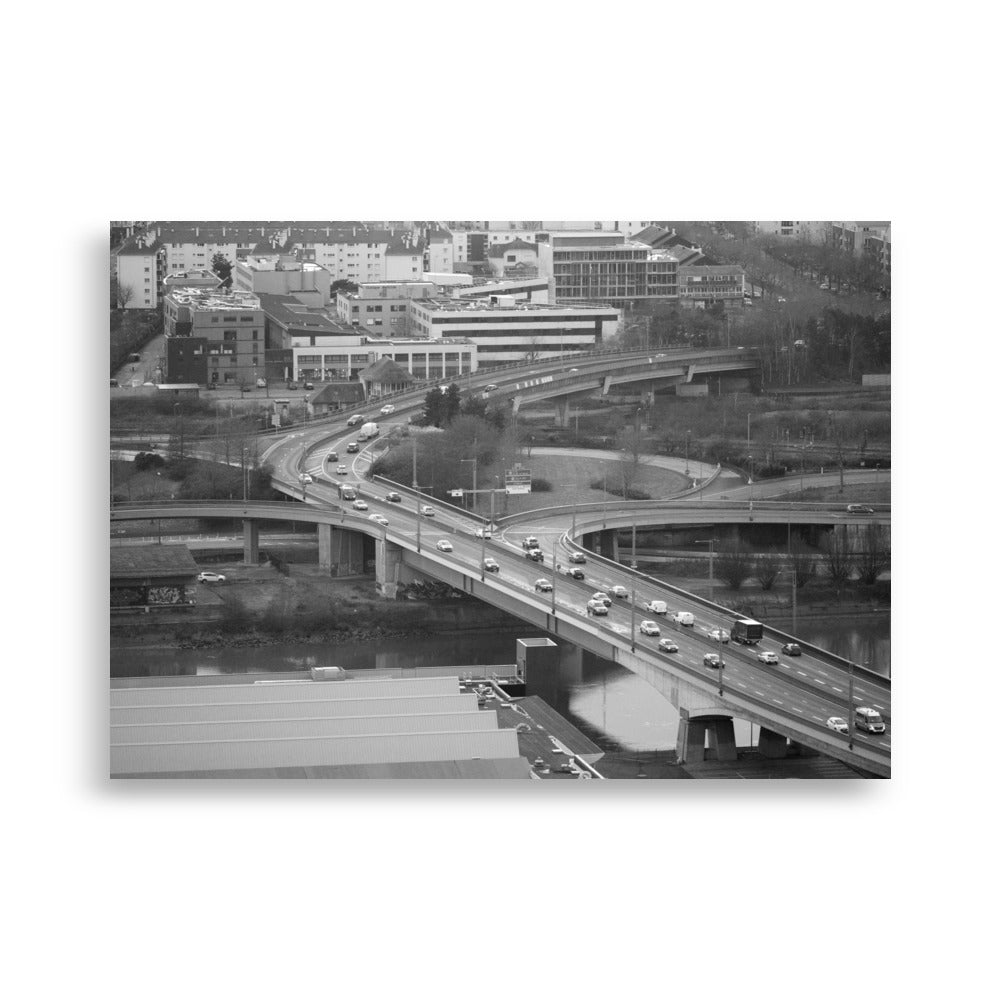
point(283, 274)
point(508, 330)
point(706, 282)
point(516, 259)
point(379, 308)
point(213, 337)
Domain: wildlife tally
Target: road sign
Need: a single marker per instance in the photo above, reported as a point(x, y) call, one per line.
point(517, 480)
point(518, 489)
point(456, 493)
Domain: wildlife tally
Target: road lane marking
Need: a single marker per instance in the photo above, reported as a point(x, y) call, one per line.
point(795, 708)
point(801, 673)
point(760, 693)
point(818, 681)
point(775, 700)
point(838, 690)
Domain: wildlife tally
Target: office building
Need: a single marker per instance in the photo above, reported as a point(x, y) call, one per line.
point(379, 307)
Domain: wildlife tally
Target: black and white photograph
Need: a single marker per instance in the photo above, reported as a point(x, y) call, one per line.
point(522, 499)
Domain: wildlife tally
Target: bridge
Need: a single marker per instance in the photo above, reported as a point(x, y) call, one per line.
point(790, 701)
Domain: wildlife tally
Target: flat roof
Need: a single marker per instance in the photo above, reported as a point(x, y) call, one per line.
point(475, 307)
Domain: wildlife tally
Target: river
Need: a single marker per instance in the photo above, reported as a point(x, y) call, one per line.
point(616, 709)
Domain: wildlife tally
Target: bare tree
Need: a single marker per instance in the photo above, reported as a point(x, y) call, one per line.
point(840, 557)
point(631, 457)
point(803, 563)
point(732, 564)
point(766, 569)
point(875, 553)
point(123, 294)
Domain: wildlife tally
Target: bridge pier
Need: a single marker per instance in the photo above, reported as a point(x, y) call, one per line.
point(691, 733)
point(390, 570)
point(251, 542)
point(324, 536)
point(340, 552)
point(772, 744)
point(562, 411)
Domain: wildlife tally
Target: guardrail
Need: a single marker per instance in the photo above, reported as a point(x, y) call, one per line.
point(427, 498)
point(773, 633)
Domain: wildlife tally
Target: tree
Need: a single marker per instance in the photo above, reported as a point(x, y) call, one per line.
point(803, 563)
point(452, 403)
point(123, 294)
point(766, 569)
point(875, 554)
point(222, 267)
point(732, 564)
point(840, 558)
point(433, 415)
point(629, 445)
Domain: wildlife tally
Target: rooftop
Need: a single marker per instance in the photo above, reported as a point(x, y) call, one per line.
point(152, 561)
point(473, 306)
point(209, 299)
point(499, 249)
point(286, 310)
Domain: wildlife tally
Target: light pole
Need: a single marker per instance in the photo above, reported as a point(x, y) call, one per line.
point(554, 575)
point(711, 564)
point(750, 484)
point(687, 446)
point(722, 666)
point(850, 705)
point(633, 614)
point(246, 476)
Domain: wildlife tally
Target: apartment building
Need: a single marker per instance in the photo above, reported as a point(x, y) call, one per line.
point(508, 330)
point(705, 282)
point(808, 232)
point(213, 337)
point(380, 307)
point(870, 240)
point(138, 270)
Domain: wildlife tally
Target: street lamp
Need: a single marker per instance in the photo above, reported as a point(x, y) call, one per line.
point(633, 614)
point(722, 666)
point(687, 445)
point(750, 484)
point(711, 564)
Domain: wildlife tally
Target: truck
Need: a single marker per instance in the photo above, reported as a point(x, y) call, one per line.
point(368, 432)
point(746, 631)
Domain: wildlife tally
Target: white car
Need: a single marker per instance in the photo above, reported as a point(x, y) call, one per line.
point(766, 656)
point(341, 470)
point(484, 533)
point(601, 597)
point(209, 577)
point(649, 628)
point(837, 723)
point(719, 635)
point(387, 409)
point(619, 591)
point(444, 545)
point(713, 660)
point(305, 479)
point(683, 617)
point(359, 504)
point(384, 521)
point(490, 388)
point(426, 510)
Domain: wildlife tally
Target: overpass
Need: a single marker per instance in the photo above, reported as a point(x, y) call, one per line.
point(789, 701)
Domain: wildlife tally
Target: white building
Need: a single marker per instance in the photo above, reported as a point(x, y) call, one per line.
point(507, 330)
point(138, 273)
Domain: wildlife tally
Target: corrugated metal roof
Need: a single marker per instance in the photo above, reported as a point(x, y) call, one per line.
point(251, 711)
point(310, 751)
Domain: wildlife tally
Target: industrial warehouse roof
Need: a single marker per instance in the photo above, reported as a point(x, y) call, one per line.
point(151, 562)
point(289, 312)
point(308, 728)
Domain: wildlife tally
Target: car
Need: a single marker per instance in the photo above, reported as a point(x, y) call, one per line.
point(491, 565)
point(656, 607)
point(799, 343)
point(719, 635)
point(602, 597)
point(578, 557)
point(356, 419)
point(445, 546)
point(535, 555)
point(333, 457)
point(530, 542)
point(859, 508)
point(305, 479)
point(522, 727)
point(713, 660)
point(574, 572)
point(426, 510)
point(766, 656)
point(837, 723)
point(352, 448)
point(646, 627)
point(378, 518)
point(491, 388)
point(209, 577)
point(683, 618)
point(114, 383)
point(484, 533)
point(781, 298)
point(293, 386)
point(341, 470)
point(359, 504)
point(393, 497)
point(387, 409)
point(791, 649)
point(667, 646)
point(543, 586)
point(619, 591)
point(566, 768)
point(573, 370)
point(596, 608)
point(308, 386)
point(262, 383)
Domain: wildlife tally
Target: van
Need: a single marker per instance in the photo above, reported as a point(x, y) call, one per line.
point(860, 508)
point(657, 607)
point(868, 721)
point(683, 617)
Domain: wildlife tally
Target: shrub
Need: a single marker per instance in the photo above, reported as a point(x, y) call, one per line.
point(541, 486)
point(630, 494)
point(148, 460)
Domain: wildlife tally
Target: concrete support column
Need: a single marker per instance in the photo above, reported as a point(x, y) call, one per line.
point(350, 553)
point(390, 571)
point(515, 405)
point(251, 539)
point(690, 740)
point(772, 744)
point(324, 536)
point(721, 739)
point(607, 544)
point(562, 411)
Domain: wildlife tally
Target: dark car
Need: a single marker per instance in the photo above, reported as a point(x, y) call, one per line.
point(293, 385)
point(791, 649)
point(577, 574)
point(308, 386)
point(333, 457)
point(535, 555)
point(577, 557)
point(491, 565)
point(393, 497)
point(114, 383)
point(352, 447)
